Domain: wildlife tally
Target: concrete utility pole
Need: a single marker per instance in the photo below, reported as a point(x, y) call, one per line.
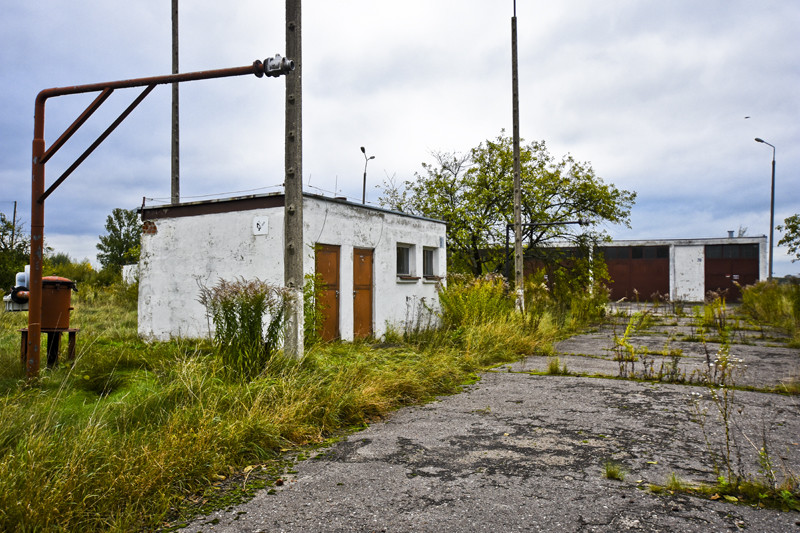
point(518, 265)
point(293, 185)
point(176, 143)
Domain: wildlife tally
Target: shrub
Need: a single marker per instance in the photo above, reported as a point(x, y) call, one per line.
point(248, 321)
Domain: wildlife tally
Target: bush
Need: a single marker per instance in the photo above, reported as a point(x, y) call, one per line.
point(248, 321)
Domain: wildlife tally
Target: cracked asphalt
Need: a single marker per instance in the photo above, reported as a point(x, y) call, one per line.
point(523, 452)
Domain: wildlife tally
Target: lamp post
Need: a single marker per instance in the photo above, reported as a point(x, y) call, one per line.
point(364, 188)
point(771, 206)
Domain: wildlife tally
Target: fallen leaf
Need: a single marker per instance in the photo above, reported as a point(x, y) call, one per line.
point(249, 468)
point(652, 462)
point(732, 499)
point(715, 497)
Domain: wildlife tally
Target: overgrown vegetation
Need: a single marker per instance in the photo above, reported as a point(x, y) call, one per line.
point(133, 431)
point(774, 304)
point(248, 324)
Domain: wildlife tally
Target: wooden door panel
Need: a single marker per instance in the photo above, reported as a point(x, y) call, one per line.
point(362, 292)
point(326, 259)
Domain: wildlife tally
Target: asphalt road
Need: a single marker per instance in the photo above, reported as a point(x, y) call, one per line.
point(523, 452)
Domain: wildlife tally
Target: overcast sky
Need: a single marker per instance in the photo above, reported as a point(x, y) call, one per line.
point(654, 94)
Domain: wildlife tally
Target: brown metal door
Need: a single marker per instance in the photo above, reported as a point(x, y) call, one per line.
point(729, 267)
point(326, 259)
point(362, 293)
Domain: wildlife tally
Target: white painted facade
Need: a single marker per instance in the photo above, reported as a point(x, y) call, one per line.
point(191, 245)
point(687, 273)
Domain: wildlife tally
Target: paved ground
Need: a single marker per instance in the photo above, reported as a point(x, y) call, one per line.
point(522, 452)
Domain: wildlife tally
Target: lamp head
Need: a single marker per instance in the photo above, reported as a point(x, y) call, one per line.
point(759, 140)
point(363, 151)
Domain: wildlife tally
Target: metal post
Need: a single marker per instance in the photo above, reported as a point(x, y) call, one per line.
point(13, 225)
point(771, 208)
point(518, 265)
point(176, 143)
point(364, 187)
point(772, 214)
point(293, 185)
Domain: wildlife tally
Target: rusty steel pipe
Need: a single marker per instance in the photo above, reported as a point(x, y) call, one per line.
point(271, 67)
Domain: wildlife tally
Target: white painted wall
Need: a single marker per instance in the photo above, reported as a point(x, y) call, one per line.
point(186, 252)
point(687, 273)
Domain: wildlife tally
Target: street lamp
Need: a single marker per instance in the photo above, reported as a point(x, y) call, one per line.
point(364, 188)
point(771, 206)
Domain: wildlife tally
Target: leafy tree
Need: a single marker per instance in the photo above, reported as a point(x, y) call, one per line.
point(14, 251)
point(791, 235)
point(473, 193)
point(120, 246)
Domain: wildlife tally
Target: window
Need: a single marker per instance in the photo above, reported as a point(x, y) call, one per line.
point(428, 261)
point(405, 260)
point(616, 252)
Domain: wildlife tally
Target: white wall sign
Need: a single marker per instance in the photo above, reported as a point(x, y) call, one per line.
point(260, 225)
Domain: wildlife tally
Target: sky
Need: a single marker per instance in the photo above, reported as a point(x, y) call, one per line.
point(662, 98)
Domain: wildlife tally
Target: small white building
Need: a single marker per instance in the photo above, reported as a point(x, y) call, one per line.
point(377, 265)
point(685, 269)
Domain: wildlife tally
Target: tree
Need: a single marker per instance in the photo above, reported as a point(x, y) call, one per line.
point(121, 245)
point(473, 193)
point(14, 251)
point(791, 235)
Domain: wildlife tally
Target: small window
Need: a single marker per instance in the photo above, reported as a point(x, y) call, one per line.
point(616, 252)
point(714, 251)
point(404, 260)
point(428, 259)
point(749, 251)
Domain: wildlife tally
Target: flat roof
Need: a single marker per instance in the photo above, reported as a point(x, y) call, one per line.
point(687, 242)
point(253, 201)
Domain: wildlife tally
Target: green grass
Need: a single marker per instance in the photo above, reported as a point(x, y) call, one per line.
point(132, 430)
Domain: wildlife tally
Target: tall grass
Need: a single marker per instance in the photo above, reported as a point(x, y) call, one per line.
point(248, 323)
point(120, 438)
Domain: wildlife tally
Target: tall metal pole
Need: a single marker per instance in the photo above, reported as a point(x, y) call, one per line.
point(14, 225)
point(518, 265)
point(293, 185)
point(364, 187)
point(771, 207)
point(176, 166)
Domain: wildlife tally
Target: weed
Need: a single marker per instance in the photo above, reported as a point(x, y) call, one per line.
point(675, 483)
point(612, 470)
point(555, 368)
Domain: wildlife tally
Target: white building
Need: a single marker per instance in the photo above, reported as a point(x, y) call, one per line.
point(685, 269)
point(377, 265)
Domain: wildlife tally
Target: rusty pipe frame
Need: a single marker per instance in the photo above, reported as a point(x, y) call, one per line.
point(271, 67)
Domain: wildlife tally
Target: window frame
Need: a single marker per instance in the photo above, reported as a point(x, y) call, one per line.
point(432, 273)
point(410, 259)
